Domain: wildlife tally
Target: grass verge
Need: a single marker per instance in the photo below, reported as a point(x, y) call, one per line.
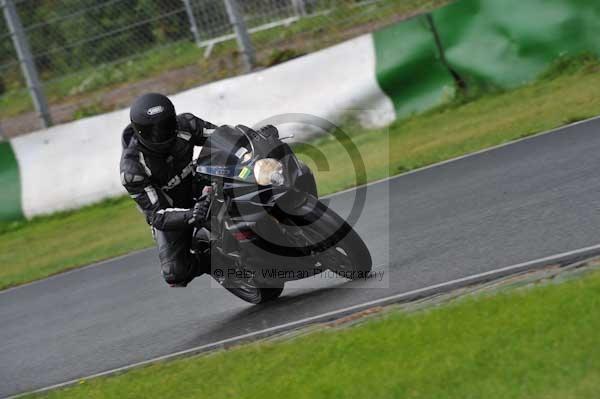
point(44, 246)
point(540, 342)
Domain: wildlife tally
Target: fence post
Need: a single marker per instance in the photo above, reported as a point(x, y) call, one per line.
point(26, 60)
point(299, 7)
point(193, 26)
point(236, 18)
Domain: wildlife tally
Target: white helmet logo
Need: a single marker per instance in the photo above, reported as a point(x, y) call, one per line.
point(155, 110)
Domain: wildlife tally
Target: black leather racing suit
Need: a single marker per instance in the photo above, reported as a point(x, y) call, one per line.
point(161, 185)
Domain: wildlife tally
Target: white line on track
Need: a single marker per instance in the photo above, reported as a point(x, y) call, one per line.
point(461, 282)
point(469, 155)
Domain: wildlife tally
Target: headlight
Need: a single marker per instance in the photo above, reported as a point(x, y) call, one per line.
point(268, 171)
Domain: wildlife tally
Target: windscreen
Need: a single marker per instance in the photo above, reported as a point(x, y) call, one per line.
point(226, 153)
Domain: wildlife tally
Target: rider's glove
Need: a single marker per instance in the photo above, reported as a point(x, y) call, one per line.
point(200, 212)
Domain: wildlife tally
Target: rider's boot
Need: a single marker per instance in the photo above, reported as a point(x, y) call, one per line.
point(200, 259)
point(201, 251)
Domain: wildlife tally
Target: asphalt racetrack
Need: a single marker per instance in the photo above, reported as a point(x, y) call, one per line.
point(510, 205)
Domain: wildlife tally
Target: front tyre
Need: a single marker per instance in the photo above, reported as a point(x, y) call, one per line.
point(336, 245)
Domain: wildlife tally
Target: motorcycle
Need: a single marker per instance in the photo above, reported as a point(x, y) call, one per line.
point(267, 225)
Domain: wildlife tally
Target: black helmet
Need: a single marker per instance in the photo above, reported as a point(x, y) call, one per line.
point(154, 121)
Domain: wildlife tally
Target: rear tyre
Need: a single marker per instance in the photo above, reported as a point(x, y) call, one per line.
point(245, 288)
point(255, 295)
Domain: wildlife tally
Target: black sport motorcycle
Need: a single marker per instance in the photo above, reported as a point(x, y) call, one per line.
point(267, 225)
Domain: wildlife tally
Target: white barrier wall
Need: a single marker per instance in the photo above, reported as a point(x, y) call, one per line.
point(77, 163)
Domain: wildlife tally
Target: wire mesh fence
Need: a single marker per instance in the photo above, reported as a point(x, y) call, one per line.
point(94, 56)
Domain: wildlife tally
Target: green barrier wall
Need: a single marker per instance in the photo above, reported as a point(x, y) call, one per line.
point(498, 43)
point(10, 187)
point(408, 67)
point(506, 43)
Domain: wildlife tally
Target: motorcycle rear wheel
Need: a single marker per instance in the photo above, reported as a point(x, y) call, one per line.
point(248, 291)
point(245, 289)
point(255, 295)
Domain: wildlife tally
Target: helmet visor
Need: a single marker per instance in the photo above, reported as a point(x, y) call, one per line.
point(158, 136)
point(159, 132)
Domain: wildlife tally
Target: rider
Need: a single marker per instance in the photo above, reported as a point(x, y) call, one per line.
point(156, 169)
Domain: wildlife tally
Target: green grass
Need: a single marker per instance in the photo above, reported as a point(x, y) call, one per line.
point(536, 343)
point(467, 125)
point(48, 245)
point(45, 246)
point(93, 81)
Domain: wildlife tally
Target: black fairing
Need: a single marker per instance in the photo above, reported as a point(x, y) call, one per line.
point(241, 204)
point(219, 162)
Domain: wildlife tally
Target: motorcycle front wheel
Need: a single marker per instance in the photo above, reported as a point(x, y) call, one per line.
point(335, 244)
